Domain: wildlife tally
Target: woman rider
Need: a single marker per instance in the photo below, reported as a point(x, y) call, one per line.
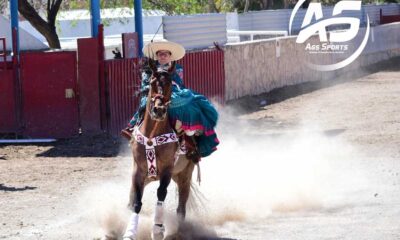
point(189, 112)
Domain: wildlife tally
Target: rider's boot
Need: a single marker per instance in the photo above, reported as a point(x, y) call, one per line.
point(127, 132)
point(192, 152)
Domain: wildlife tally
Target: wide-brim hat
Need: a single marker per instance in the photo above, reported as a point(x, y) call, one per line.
point(177, 50)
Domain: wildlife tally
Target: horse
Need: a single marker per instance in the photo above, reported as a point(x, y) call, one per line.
point(154, 147)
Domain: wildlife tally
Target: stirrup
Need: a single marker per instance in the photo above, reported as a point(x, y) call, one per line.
point(194, 155)
point(192, 152)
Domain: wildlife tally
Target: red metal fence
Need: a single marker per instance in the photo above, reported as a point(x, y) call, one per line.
point(8, 121)
point(49, 90)
point(44, 100)
point(89, 86)
point(388, 18)
point(122, 81)
point(203, 72)
point(8, 109)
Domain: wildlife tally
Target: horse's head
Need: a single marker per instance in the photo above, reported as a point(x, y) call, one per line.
point(160, 90)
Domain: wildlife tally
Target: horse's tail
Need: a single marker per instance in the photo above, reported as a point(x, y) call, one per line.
point(197, 201)
point(198, 173)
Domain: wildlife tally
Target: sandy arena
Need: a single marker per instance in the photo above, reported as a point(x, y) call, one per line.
point(320, 161)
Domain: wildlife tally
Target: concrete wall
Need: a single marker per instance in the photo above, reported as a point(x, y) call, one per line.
point(279, 19)
point(253, 68)
point(27, 40)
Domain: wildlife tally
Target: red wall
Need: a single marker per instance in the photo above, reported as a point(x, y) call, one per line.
point(122, 81)
point(389, 18)
point(7, 102)
point(47, 111)
point(45, 77)
point(89, 88)
point(204, 73)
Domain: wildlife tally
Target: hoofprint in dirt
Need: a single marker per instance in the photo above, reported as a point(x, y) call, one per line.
point(321, 165)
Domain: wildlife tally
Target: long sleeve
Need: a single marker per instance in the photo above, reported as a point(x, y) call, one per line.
point(145, 84)
point(178, 76)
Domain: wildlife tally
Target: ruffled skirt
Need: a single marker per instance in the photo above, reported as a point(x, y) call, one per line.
point(195, 113)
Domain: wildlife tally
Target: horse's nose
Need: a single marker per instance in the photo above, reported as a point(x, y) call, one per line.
point(160, 111)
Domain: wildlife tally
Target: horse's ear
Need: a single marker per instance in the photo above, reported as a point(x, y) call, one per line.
point(153, 65)
point(171, 69)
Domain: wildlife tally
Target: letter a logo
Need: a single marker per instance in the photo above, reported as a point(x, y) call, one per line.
point(315, 9)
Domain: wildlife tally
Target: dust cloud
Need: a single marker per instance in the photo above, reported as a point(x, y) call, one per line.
point(255, 173)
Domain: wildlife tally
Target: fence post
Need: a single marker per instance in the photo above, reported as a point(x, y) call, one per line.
point(102, 81)
point(95, 14)
point(139, 24)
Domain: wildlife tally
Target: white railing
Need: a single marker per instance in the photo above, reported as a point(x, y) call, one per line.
point(251, 34)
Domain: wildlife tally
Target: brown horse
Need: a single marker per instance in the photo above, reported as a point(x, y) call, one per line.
point(154, 146)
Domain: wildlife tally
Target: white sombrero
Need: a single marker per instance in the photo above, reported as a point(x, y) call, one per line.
point(177, 50)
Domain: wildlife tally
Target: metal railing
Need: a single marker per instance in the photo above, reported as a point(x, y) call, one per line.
point(251, 34)
point(3, 53)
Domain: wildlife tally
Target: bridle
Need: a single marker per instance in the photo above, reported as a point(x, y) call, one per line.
point(159, 102)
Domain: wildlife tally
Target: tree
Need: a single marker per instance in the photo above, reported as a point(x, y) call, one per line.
point(3, 5)
point(42, 14)
point(246, 6)
point(46, 27)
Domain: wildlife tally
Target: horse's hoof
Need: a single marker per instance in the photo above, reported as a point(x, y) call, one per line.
point(129, 238)
point(106, 237)
point(157, 236)
point(158, 232)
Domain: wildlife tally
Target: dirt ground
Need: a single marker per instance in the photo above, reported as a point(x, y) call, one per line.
point(355, 124)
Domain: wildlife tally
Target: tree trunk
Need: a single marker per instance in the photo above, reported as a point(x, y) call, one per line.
point(270, 4)
point(285, 4)
point(246, 6)
point(48, 30)
point(52, 38)
point(212, 8)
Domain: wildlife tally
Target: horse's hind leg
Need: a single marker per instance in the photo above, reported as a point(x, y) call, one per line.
point(158, 228)
point(135, 204)
point(183, 180)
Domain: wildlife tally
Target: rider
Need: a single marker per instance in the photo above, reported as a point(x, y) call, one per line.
point(190, 114)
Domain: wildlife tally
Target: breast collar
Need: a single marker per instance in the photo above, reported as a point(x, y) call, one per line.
point(150, 145)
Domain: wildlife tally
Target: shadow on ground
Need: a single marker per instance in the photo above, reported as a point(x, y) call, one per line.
point(84, 146)
point(79, 146)
point(195, 231)
point(15, 189)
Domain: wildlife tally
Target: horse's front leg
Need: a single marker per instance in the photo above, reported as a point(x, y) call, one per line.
point(158, 228)
point(135, 204)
